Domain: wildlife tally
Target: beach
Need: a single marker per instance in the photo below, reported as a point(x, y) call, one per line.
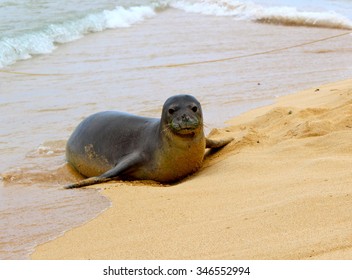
point(281, 190)
point(62, 61)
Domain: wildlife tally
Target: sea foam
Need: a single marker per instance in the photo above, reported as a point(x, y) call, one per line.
point(247, 10)
point(45, 40)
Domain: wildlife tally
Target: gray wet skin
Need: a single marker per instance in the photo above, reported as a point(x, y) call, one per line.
point(113, 144)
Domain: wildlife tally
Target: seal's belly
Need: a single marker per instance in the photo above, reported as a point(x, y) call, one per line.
point(91, 167)
point(174, 165)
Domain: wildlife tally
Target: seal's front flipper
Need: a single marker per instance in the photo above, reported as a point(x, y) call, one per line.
point(87, 182)
point(123, 166)
point(215, 144)
point(126, 164)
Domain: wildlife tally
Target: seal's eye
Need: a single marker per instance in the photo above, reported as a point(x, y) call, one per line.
point(171, 111)
point(194, 108)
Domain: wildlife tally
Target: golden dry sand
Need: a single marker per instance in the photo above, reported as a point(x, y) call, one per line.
point(281, 190)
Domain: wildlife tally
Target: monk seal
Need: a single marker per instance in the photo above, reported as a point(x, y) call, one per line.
point(113, 144)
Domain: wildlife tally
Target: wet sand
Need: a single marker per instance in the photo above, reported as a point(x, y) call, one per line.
point(281, 190)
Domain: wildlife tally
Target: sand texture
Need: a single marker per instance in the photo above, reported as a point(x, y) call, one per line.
point(281, 190)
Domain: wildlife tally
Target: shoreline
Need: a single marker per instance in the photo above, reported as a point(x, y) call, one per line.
point(281, 190)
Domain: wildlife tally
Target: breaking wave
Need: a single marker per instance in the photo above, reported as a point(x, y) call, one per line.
point(44, 41)
point(247, 10)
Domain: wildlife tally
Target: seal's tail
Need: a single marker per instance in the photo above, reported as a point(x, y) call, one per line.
point(88, 182)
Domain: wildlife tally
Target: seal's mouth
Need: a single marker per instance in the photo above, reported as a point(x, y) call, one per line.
point(185, 129)
point(186, 132)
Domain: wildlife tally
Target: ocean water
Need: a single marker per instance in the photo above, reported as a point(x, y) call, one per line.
point(36, 27)
point(61, 61)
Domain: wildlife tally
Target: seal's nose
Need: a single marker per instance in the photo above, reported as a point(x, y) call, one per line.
point(185, 118)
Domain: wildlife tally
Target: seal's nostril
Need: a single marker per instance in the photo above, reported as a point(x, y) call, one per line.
point(185, 117)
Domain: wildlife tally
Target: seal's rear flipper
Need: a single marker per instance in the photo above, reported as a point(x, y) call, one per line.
point(215, 144)
point(123, 166)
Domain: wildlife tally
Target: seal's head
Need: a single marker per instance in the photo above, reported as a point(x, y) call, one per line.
point(182, 115)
